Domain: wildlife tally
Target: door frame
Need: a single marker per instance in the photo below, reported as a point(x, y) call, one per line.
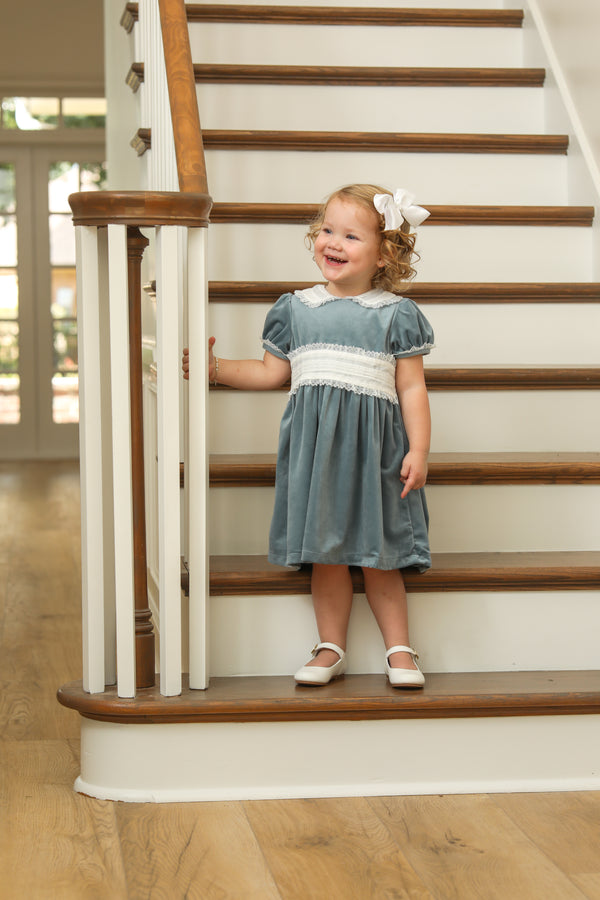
point(37, 435)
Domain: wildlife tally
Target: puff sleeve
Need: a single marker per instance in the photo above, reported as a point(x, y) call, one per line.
point(410, 332)
point(277, 331)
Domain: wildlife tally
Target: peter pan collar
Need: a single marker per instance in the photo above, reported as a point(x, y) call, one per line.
point(318, 295)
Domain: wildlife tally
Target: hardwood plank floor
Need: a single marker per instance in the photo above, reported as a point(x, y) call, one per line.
point(55, 843)
point(338, 848)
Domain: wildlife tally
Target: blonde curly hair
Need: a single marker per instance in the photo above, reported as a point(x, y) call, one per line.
point(397, 246)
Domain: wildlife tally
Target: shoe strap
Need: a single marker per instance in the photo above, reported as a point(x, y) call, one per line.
point(326, 645)
point(400, 648)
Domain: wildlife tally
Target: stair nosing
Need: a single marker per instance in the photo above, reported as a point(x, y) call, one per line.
point(424, 292)
point(421, 142)
point(496, 378)
point(373, 142)
point(368, 76)
point(388, 76)
point(365, 697)
point(482, 572)
point(258, 470)
point(268, 14)
point(225, 213)
point(344, 15)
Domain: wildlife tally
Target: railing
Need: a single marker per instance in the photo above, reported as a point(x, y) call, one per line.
point(118, 632)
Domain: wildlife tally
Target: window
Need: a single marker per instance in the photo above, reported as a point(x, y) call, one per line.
point(41, 113)
point(9, 299)
point(66, 178)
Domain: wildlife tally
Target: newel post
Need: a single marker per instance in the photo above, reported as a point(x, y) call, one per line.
point(144, 631)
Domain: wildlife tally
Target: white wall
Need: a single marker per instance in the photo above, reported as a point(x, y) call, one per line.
point(574, 29)
point(571, 33)
point(124, 169)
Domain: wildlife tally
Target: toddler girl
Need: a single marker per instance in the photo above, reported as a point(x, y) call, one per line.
point(354, 438)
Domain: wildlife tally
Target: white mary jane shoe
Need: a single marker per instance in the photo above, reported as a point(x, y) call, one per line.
point(322, 674)
point(408, 678)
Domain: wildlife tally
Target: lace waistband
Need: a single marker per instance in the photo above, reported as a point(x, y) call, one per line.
point(350, 368)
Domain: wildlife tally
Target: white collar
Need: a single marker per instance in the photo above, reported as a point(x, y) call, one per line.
point(318, 295)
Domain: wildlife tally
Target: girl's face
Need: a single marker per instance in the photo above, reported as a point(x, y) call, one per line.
point(347, 248)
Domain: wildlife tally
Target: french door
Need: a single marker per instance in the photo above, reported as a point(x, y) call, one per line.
point(39, 408)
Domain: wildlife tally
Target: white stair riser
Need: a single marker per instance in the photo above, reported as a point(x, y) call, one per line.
point(451, 631)
point(261, 176)
point(497, 110)
point(519, 334)
point(523, 334)
point(239, 252)
point(333, 45)
point(463, 518)
point(200, 762)
point(462, 421)
point(515, 420)
point(514, 517)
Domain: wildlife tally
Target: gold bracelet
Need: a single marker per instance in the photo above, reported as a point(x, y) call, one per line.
point(216, 381)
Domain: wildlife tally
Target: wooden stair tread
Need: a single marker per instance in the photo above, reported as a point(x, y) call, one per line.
point(523, 571)
point(499, 378)
point(278, 698)
point(387, 76)
point(223, 139)
point(370, 141)
point(424, 292)
point(509, 377)
point(302, 213)
point(342, 15)
point(258, 469)
point(370, 76)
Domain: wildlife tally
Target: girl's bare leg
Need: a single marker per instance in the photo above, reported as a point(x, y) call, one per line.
point(387, 598)
point(332, 600)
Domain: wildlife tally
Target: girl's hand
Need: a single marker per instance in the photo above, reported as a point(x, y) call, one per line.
point(413, 473)
point(185, 361)
point(212, 374)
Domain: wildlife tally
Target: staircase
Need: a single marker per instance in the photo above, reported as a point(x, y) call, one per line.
point(295, 101)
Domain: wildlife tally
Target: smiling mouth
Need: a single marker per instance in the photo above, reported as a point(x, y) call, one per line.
point(335, 260)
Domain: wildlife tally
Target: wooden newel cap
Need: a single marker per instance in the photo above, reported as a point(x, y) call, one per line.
point(140, 208)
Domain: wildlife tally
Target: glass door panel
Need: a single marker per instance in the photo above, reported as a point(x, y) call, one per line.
point(39, 406)
point(10, 401)
point(64, 178)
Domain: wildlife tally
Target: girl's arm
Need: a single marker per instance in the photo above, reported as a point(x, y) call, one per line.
point(247, 374)
point(414, 403)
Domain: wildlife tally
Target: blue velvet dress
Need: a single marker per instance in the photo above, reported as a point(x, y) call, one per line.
point(342, 439)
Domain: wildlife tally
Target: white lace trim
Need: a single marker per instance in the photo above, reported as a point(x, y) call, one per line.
point(375, 299)
point(413, 351)
point(349, 368)
point(267, 343)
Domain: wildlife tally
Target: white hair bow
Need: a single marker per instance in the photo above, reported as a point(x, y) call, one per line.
point(395, 209)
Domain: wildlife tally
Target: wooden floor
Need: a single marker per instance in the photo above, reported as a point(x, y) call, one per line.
point(57, 844)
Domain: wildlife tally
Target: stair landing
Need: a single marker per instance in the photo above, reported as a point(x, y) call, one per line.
point(279, 699)
point(261, 738)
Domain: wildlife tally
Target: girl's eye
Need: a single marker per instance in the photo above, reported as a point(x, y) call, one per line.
point(352, 237)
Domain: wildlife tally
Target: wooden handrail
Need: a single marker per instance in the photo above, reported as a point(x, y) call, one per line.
point(142, 208)
point(189, 151)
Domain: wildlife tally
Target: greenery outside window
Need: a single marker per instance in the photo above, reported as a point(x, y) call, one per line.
point(43, 113)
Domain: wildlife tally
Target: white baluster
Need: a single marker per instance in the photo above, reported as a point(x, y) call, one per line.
point(121, 432)
point(90, 439)
point(196, 472)
point(110, 659)
point(168, 288)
